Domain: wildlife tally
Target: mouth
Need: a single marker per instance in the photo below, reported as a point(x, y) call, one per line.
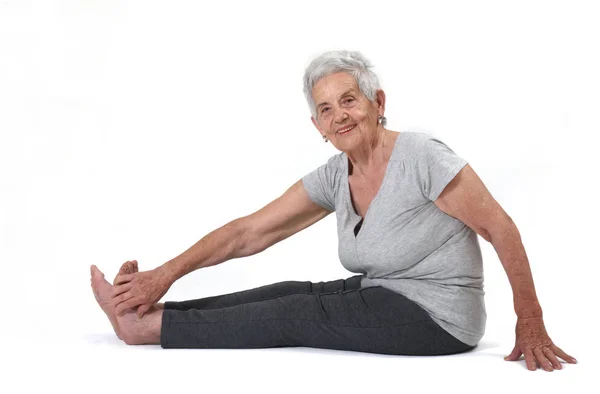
point(346, 130)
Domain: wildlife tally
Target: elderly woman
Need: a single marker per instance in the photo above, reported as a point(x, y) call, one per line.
point(408, 214)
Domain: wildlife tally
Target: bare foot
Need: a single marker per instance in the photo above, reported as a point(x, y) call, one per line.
point(141, 331)
point(136, 331)
point(129, 328)
point(102, 291)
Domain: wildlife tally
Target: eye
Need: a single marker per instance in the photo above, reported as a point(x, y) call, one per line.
point(349, 100)
point(324, 109)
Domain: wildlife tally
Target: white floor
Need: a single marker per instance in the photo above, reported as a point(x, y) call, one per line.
point(50, 350)
point(130, 129)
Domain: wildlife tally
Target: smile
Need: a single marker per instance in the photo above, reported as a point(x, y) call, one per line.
point(346, 130)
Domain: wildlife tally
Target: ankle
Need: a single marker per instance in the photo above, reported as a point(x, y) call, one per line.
point(144, 331)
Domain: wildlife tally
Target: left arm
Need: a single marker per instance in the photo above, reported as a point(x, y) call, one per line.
point(467, 199)
point(505, 238)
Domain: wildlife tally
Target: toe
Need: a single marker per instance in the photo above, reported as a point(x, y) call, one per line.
point(96, 273)
point(123, 269)
point(131, 267)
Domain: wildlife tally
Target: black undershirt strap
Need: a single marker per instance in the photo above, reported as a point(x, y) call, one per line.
point(357, 228)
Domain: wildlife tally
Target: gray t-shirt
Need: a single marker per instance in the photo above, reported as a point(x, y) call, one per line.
point(406, 243)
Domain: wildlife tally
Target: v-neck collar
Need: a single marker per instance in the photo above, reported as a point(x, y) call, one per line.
point(379, 192)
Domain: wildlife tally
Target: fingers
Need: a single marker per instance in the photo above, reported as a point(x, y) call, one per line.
point(126, 305)
point(142, 310)
point(120, 279)
point(542, 360)
point(117, 290)
point(560, 353)
point(122, 298)
point(530, 360)
point(545, 357)
point(119, 300)
point(550, 356)
point(514, 355)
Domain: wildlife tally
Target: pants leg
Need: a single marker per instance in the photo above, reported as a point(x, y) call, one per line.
point(267, 292)
point(335, 314)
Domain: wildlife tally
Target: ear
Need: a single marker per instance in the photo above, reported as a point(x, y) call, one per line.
point(380, 101)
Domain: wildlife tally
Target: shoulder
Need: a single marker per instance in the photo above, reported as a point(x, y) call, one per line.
point(419, 136)
point(328, 172)
point(425, 142)
point(335, 163)
point(415, 142)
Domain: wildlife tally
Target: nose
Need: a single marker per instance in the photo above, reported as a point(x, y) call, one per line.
point(341, 116)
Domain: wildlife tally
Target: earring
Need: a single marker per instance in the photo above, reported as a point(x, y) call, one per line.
point(379, 118)
point(324, 139)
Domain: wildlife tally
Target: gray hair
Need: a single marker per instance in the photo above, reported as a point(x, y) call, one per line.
point(351, 62)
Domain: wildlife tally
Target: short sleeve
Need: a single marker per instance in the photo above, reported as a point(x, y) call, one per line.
point(438, 165)
point(319, 185)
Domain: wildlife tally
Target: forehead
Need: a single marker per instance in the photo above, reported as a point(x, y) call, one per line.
point(333, 85)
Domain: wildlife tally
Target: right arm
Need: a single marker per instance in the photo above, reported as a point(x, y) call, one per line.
point(289, 214)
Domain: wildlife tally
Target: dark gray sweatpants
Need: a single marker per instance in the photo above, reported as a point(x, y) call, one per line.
point(336, 314)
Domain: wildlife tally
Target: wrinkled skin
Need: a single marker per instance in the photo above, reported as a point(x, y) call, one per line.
point(139, 290)
point(533, 342)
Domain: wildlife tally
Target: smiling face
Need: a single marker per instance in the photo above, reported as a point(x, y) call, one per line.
point(340, 105)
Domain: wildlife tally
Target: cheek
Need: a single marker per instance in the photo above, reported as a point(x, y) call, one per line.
point(362, 116)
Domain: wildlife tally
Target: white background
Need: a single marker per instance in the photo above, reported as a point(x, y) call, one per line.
point(131, 129)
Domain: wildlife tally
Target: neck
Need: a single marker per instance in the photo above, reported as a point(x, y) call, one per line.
point(372, 155)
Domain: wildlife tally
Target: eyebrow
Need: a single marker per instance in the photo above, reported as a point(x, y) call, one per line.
point(351, 90)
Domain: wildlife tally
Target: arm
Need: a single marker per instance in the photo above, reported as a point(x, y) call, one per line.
point(143, 289)
point(220, 245)
point(281, 218)
point(532, 339)
point(507, 242)
point(467, 199)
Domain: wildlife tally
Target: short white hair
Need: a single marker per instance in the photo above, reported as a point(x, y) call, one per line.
point(331, 62)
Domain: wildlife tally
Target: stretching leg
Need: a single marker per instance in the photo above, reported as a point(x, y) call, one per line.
point(333, 315)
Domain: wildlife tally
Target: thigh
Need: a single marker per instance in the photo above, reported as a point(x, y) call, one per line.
point(409, 329)
point(266, 292)
point(301, 318)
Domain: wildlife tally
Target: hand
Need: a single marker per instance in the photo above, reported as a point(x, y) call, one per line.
point(141, 289)
point(533, 341)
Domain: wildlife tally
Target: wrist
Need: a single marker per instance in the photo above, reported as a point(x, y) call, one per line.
point(531, 313)
point(528, 308)
point(530, 319)
point(167, 272)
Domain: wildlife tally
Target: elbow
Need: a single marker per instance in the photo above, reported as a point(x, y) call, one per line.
point(500, 229)
point(486, 235)
point(247, 242)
